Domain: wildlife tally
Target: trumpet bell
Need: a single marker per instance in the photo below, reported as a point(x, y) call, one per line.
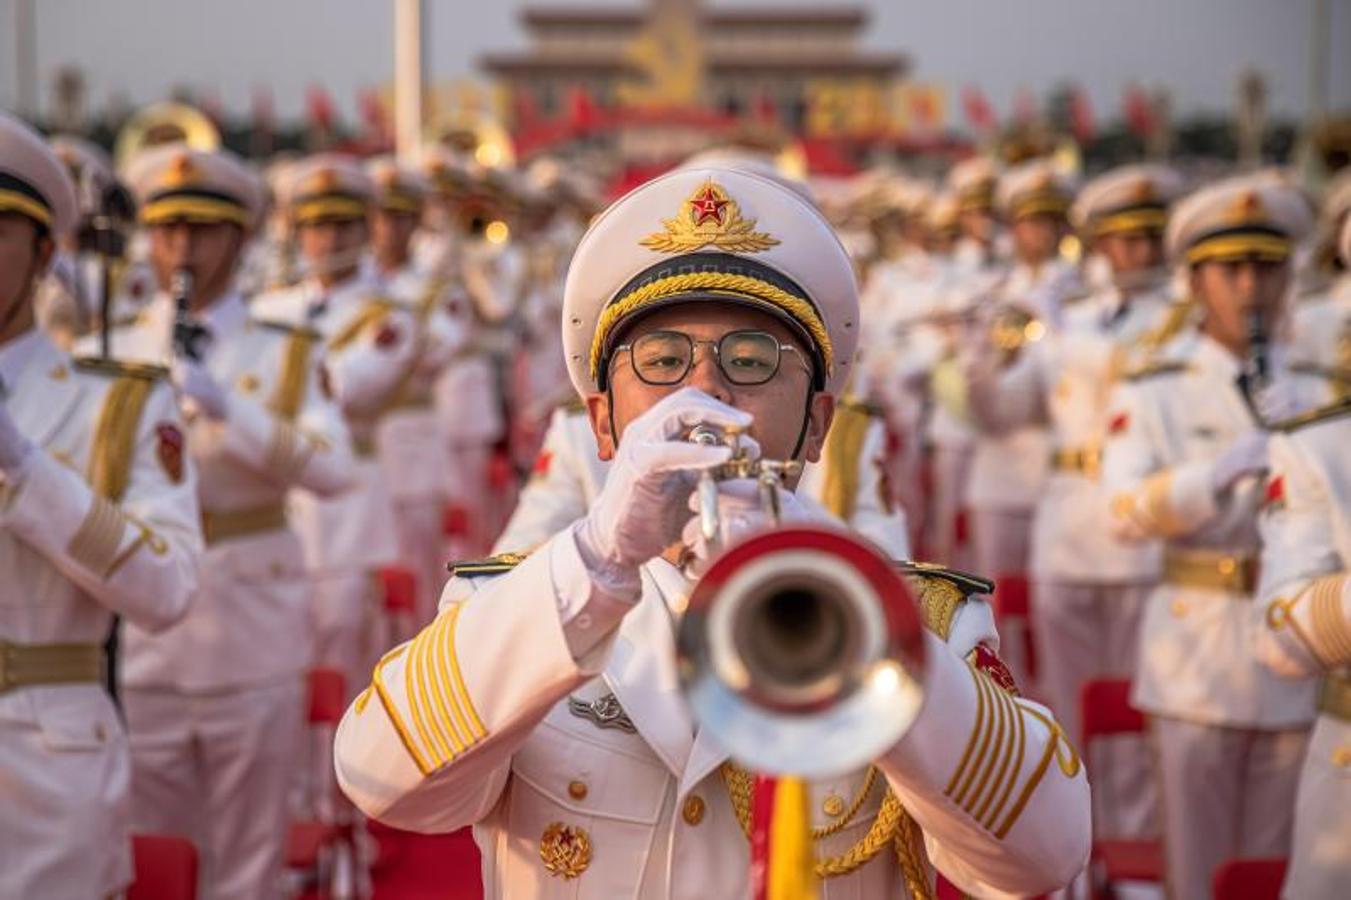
point(801, 651)
point(164, 123)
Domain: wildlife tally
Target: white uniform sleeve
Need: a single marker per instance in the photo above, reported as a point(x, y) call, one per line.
point(1305, 613)
point(366, 370)
point(138, 557)
point(428, 745)
point(1148, 498)
point(991, 778)
point(311, 451)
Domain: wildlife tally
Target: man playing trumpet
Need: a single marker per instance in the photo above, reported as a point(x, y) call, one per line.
point(542, 704)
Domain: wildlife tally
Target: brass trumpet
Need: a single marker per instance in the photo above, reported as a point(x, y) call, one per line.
point(801, 648)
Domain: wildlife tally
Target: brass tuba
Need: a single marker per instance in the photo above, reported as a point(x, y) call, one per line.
point(164, 123)
point(801, 647)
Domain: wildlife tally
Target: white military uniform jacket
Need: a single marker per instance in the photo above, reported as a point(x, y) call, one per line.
point(409, 435)
point(73, 555)
point(250, 623)
point(486, 718)
point(1173, 419)
point(1320, 342)
point(370, 349)
point(1065, 384)
point(1010, 467)
point(568, 476)
point(1304, 631)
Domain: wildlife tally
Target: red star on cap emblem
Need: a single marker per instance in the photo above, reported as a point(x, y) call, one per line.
point(706, 206)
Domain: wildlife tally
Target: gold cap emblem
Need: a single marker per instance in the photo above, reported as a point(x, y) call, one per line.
point(1144, 192)
point(709, 218)
point(322, 182)
point(565, 850)
point(1247, 207)
point(181, 171)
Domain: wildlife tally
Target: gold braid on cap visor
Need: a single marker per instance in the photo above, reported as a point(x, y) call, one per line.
point(735, 287)
point(328, 206)
point(193, 208)
point(1239, 245)
point(1140, 218)
point(17, 195)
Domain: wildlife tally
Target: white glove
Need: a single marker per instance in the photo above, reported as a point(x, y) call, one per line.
point(15, 449)
point(1247, 455)
point(1277, 401)
point(199, 390)
point(641, 508)
point(740, 514)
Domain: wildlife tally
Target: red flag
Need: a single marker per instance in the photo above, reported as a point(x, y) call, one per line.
point(765, 108)
point(373, 112)
point(1081, 116)
point(1139, 111)
point(524, 108)
point(582, 111)
point(319, 108)
point(979, 113)
point(1024, 106)
point(924, 112)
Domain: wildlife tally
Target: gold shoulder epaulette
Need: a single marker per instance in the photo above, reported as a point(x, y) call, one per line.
point(117, 368)
point(971, 584)
point(940, 591)
point(1151, 368)
point(1177, 317)
point(287, 328)
point(493, 565)
point(1322, 414)
point(858, 404)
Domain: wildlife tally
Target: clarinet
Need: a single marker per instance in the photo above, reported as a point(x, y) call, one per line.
point(188, 333)
point(1255, 376)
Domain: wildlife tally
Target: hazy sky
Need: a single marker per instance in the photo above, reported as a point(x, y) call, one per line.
point(1197, 47)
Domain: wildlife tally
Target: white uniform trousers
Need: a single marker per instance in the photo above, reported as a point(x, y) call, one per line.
point(217, 768)
point(64, 782)
point(1085, 631)
point(1224, 793)
point(348, 626)
point(951, 466)
point(1320, 861)
point(1001, 541)
point(423, 549)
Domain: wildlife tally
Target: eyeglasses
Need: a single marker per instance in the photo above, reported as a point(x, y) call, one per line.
point(746, 358)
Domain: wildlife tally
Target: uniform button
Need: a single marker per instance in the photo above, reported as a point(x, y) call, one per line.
point(833, 806)
point(577, 790)
point(693, 810)
point(1341, 757)
point(1178, 608)
point(1228, 565)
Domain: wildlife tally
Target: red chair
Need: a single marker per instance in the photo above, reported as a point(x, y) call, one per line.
point(1104, 710)
point(164, 868)
point(1013, 607)
point(398, 597)
point(1249, 879)
point(320, 848)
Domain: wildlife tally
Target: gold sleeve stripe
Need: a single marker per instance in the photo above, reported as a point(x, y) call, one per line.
point(458, 699)
point(999, 734)
point(429, 672)
point(1330, 628)
point(392, 710)
point(113, 449)
point(1066, 758)
point(1010, 755)
point(973, 740)
point(444, 715)
point(289, 393)
point(1016, 758)
point(419, 701)
point(96, 542)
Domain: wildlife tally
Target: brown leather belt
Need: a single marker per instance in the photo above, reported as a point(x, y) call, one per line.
point(26, 665)
point(1086, 460)
point(224, 526)
point(1335, 698)
point(1210, 570)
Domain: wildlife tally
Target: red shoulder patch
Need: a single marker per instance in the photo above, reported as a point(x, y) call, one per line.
point(1118, 423)
point(388, 335)
point(169, 450)
point(542, 463)
point(1274, 498)
point(987, 661)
